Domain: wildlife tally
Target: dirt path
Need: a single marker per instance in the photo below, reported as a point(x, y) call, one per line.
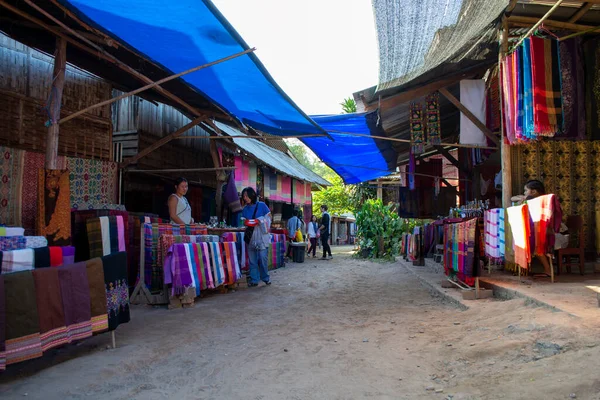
point(340, 329)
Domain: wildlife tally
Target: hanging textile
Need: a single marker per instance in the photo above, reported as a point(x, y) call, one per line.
point(461, 250)
point(547, 100)
point(492, 100)
point(231, 195)
point(179, 277)
point(153, 270)
point(2, 325)
point(573, 91)
point(230, 261)
point(545, 215)
point(105, 232)
point(98, 300)
point(591, 50)
point(492, 234)
point(286, 189)
point(54, 211)
point(417, 134)
point(11, 185)
point(33, 162)
point(74, 290)
point(526, 89)
point(216, 260)
point(53, 329)
point(205, 260)
point(472, 96)
point(191, 264)
point(22, 321)
point(411, 171)
point(518, 218)
point(117, 293)
point(93, 183)
point(432, 110)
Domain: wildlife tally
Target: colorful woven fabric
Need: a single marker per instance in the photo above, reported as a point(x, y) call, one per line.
point(176, 261)
point(34, 242)
point(93, 182)
point(432, 116)
point(22, 321)
point(492, 233)
point(216, 261)
point(94, 235)
point(547, 99)
point(98, 301)
point(573, 90)
point(230, 261)
point(461, 242)
point(152, 231)
point(56, 256)
point(242, 174)
point(74, 289)
point(545, 217)
point(54, 212)
point(2, 325)
point(417, 132)
point(33, 162)
point(53, 329)
point(117, 292)
point(11, 185)
point(68, 255)
point(164, 245)
point(518, 218)
point(203, 254)
point(12, 243)
point(238, 238)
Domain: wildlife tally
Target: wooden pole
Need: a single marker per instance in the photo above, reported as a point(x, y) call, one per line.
point(584, 8)
point(379, 190)
point(161, 142)
point(55, 101)
point(183, 170)
point(506, 149)
point(155, 84)
point(468, 146)
point(538, 23)
point(251, 137)
point(488, 133)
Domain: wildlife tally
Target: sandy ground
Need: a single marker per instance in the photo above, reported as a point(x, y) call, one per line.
point(340, 329)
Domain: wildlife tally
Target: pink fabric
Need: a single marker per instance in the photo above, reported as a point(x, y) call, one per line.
point(121, 233)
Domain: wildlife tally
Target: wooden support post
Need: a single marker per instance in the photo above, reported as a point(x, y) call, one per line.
point(488, 133)
point(476, 288)
point(55, 101)
point(379, 191)
point(113, 339)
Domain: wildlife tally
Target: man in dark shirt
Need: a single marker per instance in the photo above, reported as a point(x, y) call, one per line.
point(325, 232)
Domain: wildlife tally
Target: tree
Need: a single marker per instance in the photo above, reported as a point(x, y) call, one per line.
point(348, 105)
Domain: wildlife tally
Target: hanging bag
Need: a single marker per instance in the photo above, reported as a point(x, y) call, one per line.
point(250, 229)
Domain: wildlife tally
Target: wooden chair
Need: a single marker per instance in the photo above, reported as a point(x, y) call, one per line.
point(575, 225)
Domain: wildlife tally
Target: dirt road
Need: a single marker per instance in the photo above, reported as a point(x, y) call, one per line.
point(340, 329)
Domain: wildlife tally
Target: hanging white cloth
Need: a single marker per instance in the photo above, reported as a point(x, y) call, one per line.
point(472, 96)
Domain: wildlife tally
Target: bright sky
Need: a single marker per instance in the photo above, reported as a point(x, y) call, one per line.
point(318, 51)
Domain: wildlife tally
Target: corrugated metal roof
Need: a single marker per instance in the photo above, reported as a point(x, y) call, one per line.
point(273, 158)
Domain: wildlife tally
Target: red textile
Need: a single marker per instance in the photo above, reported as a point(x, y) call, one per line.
point(518, 218)
point(56, 256)
point(546, 216)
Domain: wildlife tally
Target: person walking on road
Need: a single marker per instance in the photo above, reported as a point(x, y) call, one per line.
point(325, 229)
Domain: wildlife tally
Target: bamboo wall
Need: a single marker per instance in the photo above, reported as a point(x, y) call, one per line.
point(25, 81)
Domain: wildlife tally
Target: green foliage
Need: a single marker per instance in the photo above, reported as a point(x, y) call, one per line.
point(360, 193)
point(348, 105)
point(379, 230)
point(337, 197)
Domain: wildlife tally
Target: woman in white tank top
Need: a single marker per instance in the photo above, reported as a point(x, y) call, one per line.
point(179, 208)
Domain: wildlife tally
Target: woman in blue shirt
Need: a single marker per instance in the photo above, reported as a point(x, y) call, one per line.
point(257, 249)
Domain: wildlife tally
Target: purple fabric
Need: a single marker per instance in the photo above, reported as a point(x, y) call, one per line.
point(75, 293)
point(68, 255)
point(180, 272)
point(411, 171)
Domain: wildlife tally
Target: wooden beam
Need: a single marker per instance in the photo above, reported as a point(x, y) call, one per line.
point(580, 13)
point(443, 151)
point(529, 21)
point(539, 22)
point(182, 170)
point(488, 133)
point(101, 53)
point(55, 102)
point(511, 6)
point(155, 84)
point(161, 142)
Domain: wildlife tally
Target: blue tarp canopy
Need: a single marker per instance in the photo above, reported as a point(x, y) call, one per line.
point(355, 158)
point(183, 34)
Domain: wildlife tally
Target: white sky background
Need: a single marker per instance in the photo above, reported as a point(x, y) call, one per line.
point(318, 51)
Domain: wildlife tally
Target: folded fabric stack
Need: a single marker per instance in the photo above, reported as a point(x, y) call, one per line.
point(166, 241)
point(275, 255)
point(22, 242)
point(153, 270)
point(204, 265)
point(11, 231)
point(40, 257)
point(44, 308)
point(79, 228)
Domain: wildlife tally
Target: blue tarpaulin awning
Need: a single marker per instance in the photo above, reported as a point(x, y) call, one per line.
point(355, 158)
point(185, 34)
